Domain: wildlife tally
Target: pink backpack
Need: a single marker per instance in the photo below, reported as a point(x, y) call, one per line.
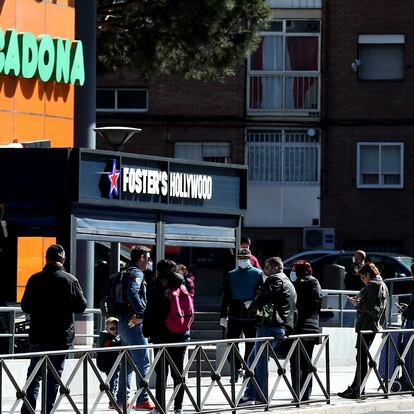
point(181, 314)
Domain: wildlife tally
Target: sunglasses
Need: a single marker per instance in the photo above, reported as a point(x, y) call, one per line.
point(113, 328)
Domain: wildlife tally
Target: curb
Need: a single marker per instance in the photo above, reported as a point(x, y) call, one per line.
point(369, 405)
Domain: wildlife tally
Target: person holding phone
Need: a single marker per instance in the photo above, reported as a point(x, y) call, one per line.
point(370, 303)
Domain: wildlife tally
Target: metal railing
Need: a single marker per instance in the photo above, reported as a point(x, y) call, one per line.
point(342, 306)
point(18, 325)
point(388, 363)
point(395, 298)
point(269, 92)
point(94, 385)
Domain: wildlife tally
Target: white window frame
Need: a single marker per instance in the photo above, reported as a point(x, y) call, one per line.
point(202, 145)
point(116, 109)
point(380, 174)
point(284, 73)
point(286, 145)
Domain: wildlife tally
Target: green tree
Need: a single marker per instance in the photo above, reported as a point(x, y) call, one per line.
point(202, 39)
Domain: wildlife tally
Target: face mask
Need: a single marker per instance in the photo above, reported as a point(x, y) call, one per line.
point(293, 276)
point(243, 263)
point(149, 266)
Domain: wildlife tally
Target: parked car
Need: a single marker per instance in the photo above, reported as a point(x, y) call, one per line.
point(391, 265)
point(307, 255)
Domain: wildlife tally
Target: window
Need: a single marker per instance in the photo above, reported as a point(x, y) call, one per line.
point(380, 165)
point(203, 151)
point(123, 100)
point(381, 56)
point(283, 156)
point(284, 71)
point(42, 143)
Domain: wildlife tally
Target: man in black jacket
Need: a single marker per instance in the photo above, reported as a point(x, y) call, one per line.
point(51, 298)
point(275, 307)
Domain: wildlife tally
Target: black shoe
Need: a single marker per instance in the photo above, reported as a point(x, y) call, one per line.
point(347, 393)
point(351, 394)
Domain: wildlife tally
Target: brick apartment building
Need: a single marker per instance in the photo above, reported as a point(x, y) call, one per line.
point(321, 113)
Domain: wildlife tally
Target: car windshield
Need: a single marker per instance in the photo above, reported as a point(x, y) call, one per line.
point(406, 261)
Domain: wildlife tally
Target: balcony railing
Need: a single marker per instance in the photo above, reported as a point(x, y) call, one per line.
point(284, 94)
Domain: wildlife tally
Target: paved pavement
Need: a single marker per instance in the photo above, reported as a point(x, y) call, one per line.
point(215, 402)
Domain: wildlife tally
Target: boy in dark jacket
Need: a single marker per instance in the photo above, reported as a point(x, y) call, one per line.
point(106, 360)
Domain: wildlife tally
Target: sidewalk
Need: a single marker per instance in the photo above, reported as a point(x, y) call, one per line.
point(340, 378)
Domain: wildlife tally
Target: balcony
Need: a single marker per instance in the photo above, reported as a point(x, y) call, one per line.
point(283, 94)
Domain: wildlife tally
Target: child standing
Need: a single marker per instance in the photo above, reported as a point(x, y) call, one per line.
point(105, 360)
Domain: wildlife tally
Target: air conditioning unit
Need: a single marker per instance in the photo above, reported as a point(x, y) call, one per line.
point(319, 238)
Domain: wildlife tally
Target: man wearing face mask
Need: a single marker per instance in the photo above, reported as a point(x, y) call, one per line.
point(240, 287)
point(352, 279)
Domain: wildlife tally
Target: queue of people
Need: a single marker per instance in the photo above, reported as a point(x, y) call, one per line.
point(255, 304)
point(148, 318)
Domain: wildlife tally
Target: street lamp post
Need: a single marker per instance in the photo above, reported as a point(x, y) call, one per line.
point(117, 137)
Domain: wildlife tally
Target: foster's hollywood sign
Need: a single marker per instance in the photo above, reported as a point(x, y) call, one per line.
point(43, 57)
point(180, 185)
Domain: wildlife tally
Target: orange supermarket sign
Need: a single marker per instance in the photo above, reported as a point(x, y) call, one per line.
point(42, 57)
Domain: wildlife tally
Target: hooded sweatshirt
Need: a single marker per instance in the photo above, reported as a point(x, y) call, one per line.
point(158, 307)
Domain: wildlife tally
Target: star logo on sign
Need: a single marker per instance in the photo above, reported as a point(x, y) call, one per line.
point(113, 177)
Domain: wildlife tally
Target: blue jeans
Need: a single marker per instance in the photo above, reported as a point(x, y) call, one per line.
point(58, 361)
point(113, 383)
point(133, 336)
point(278, 333)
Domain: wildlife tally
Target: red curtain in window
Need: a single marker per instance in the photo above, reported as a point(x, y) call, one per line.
point(302, 55)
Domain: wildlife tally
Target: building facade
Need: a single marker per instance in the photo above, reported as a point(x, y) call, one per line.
point(321, 114)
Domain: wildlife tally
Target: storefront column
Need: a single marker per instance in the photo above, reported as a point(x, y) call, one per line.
point(85, 116)
point(84, 272)
point(85, 95)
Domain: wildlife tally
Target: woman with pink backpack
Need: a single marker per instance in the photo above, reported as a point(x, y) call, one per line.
point(167, 319)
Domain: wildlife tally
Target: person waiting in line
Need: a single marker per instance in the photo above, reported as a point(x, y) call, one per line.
point(51, 298)
point(352, 280)
point(106, 360)
point(371, 303)
point(239, 290)
point(407, 318)
point(275, 307)
point(308, 305)
point(156, 330)
point(189, 279)
point(130, 327)
point(245, 243)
